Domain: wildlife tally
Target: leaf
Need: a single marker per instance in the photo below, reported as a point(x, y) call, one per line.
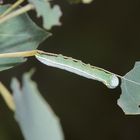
point(18, 34)
point(34, 115)
point(129, 100)
point(7, 63)
point(50, 15)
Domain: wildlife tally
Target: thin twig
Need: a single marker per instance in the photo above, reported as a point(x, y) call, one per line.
point(19, 54)
point(17, 13)
point(7, 96)
point(12, 7)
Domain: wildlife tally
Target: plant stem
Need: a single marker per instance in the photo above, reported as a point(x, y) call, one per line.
point(12, 7)
point(19, 54)
point(16, 13)
point(7, 96)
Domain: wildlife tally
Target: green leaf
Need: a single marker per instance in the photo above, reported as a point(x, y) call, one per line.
point(7, 63)
point(34, 115)
point(50, 15)
point(130, 98)
point(18, 34)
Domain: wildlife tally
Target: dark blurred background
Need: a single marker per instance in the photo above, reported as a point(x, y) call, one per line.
point(105, 33)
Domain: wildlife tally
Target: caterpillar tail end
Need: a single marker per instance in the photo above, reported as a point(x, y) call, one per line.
point(114, 82)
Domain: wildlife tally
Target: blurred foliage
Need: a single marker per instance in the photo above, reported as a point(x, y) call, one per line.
point(50, 15)
point(106, 34)
point(33, 114)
